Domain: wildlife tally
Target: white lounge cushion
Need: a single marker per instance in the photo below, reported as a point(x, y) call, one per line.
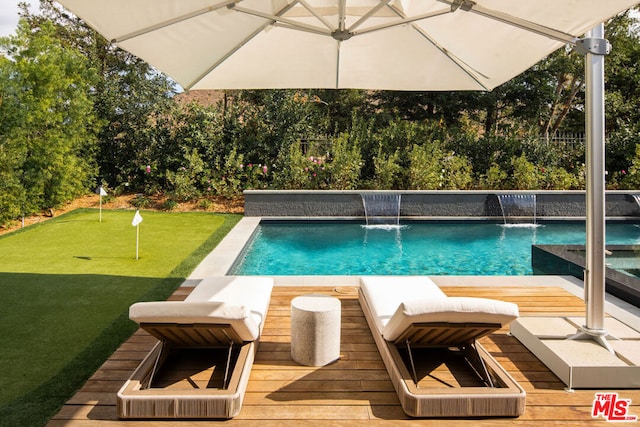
point(449, 310)
point(252, 292)
point(207, 313)
point(385, 293)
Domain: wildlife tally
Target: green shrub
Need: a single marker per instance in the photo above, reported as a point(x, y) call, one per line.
point(227, 180)
point(630, 180)
point(425, 171)
point(387, 170)
point(170, 204)
point(185, 182)
point(183, 186)
point(205, 204)
point(292, 169)
point(346, 163)
point(495, 178)
point(558, 179)
point(141, 201)
point(525, 174)
point(457, 172)
point(255, 176)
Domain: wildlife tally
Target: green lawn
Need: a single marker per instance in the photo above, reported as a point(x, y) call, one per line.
point(65, 289)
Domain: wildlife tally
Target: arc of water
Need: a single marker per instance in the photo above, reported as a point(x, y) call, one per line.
point(520, 204)
point(382, 208)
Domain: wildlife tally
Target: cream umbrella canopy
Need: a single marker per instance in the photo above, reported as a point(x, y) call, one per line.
point(376, 44)
point(368, 44)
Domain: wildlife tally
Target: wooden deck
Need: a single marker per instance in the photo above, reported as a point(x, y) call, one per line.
point(356, 389)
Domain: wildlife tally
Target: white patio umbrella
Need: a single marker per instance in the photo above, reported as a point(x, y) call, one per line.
point(374, 44)
point(369, 44)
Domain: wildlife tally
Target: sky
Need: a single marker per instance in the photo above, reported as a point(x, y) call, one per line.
point(9, 15)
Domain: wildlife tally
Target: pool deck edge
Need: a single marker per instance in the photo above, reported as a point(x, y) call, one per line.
point(220, 261)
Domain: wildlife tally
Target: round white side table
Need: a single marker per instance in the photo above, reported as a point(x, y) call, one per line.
point(315, 329)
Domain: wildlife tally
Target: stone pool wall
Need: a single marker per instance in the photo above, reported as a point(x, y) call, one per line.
point(430, 204)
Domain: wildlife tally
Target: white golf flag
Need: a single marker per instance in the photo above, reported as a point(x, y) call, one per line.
point(137, 219)
point(102, 192)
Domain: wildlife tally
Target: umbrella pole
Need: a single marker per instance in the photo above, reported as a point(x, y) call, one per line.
point(595, 47)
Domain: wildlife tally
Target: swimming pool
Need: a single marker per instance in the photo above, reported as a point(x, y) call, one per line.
point(423, 248)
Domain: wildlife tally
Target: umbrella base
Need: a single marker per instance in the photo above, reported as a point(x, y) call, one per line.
point(581, 360)
point(599, 336)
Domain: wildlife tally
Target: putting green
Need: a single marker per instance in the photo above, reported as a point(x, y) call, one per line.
point(65, 288)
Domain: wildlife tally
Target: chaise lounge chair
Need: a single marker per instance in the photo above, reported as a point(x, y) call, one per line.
point(200, 366)
point(428, 344)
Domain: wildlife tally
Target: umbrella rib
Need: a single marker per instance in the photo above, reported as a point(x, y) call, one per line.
point(226, 56)
point(542, 30)
point(290, 23)
point(400, 22)
point(368, 15)
point(173, 21)
point(466, 68)
point(235, 48)
point(315, 13)
point(517, 22)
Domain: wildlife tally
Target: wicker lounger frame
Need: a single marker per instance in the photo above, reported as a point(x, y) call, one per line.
point(136, 400)
point(506, 399)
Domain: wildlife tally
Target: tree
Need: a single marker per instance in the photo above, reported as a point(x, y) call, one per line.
point(129, 96)
point(273, 119)
point(11, 149)
point(48, 121)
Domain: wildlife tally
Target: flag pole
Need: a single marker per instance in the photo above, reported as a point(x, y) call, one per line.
point(101, 192)
point(137, 219)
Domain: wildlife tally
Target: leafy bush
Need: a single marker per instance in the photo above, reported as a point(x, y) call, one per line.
point(457, 172)
point(292, 169)
point(141, 201)
point(183, 187)
point(227, 178)
point(557, 178)
point(495, 178)
point(170, 204)
point(525, 174)
point(255, 176)
point(387, 171)
point(621, 157)
point(425, 172)
point(48, 122)
point(631, 178)
point(345, 164)
point(205, 204)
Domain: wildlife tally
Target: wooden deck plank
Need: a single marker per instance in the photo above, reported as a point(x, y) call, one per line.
point(356, 389)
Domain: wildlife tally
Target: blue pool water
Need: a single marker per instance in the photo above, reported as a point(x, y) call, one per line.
point(423, 248)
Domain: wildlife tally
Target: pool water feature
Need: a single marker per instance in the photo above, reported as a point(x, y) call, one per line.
point(381, 210)
point(425, 248)
point(517, 205)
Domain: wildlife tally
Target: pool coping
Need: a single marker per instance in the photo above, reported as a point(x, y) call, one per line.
point(432, 203)
point(219, 261)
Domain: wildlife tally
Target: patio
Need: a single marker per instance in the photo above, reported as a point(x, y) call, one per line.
point(357, 389)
